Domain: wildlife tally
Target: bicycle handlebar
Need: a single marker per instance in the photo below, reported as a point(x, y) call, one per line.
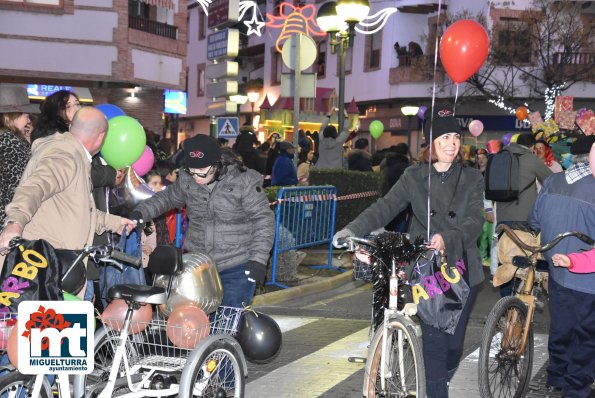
point(536, 249)
point(127, 258)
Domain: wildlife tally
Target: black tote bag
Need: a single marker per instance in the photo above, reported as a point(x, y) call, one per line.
point(439, 291)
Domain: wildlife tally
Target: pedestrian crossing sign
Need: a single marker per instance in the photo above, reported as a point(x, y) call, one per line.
point(227, 127)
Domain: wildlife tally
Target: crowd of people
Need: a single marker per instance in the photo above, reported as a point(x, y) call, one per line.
point(51, 177)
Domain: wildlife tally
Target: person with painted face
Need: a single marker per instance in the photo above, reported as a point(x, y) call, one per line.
point(455, 222)
point(229, 217)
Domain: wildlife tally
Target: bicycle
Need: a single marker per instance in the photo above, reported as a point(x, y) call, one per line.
point(506, 350)
point(139, 360)
point(394, 366)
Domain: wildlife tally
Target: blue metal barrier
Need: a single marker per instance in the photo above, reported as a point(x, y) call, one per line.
point(305, 217)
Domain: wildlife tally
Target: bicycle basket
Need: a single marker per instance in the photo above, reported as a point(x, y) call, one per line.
point(152, 347)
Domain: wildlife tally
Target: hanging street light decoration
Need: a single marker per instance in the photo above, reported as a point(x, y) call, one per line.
point(294, 20)
point(254, 25)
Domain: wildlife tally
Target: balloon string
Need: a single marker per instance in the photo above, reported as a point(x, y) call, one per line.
point(246, 308)
point(454, 107)
point(432, 116)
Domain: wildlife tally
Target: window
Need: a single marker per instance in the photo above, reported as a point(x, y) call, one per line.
point(514, 41)
point(202, 25)
point(200, 80)
point(320, 68)
point(372, 51)
point(276, 67)
point(137, 8)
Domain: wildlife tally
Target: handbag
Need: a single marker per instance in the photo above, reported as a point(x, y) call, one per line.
point(439, 291)
point(31, 272)
point(110, 276)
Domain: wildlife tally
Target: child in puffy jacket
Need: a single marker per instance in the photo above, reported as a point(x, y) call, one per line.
point(580, 263)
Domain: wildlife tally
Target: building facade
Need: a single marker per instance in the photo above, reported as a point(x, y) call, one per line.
point(125, 52)
point(384, 71)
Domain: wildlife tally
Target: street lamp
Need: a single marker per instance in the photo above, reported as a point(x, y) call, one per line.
point(239, 99)
point(338, 19)
point(253, 96)
point(409, 111)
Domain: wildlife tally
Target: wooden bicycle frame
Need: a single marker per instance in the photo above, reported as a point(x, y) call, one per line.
point(525, 294)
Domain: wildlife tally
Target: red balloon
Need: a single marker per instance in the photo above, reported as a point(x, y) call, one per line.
point(114, 314)
point(463, 49)
point(12, 347)
point(187, 325)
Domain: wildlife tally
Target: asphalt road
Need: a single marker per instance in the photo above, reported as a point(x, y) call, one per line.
point(321, 331)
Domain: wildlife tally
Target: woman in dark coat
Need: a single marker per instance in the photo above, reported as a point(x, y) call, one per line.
point(456, 204)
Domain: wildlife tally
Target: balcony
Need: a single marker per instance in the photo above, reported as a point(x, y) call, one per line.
point(153, 27)
point(415, 69)
point(419, 6)
point(575, 65)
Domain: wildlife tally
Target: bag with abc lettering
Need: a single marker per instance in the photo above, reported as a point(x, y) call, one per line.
point(31, 271)
point(439, 292)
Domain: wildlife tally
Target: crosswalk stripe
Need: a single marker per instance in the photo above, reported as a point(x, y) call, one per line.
point(287, 323)
point(312, 375)
point(464, 383)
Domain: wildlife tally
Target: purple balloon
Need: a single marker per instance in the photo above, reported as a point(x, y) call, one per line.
point(506, 138)
point(422, 111)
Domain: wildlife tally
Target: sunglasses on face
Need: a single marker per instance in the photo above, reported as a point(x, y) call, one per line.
point(196, 174)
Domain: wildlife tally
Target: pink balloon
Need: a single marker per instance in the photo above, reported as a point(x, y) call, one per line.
point(114, 314)
point(592, 159)
point(12, 346)
point(144, 164)
point(476, 128)
point(187, 325)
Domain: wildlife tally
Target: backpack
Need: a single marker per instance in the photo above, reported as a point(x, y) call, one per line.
point(502, 177)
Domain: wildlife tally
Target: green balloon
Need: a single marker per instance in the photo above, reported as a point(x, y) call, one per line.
point(70, 297)
point(124, 143)
point(376, 129)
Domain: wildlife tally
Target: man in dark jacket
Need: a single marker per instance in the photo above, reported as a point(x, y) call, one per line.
point(531, 169)
point(229, 217)
point(360, 159)
point(566, 202)
point(244, 146)
point(284, 172)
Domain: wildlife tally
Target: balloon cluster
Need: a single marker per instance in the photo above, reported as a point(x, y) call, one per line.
point(125, 143)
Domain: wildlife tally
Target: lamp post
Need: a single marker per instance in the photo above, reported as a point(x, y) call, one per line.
point(409, 111)
point(253, 96)
point(338, 19)
point(239, 99)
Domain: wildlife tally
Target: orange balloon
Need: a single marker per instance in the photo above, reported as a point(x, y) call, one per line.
point(187, 325)
point(114, 314)
point(521, 113)
point(13, 346)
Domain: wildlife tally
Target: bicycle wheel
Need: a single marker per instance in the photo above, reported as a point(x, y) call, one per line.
point(18, 385)
point(213, 370)
point(404, 364)
point(503, 370)
point(93, 383)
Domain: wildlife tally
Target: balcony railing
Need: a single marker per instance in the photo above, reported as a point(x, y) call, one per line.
point(574, 58)
point(153, 27)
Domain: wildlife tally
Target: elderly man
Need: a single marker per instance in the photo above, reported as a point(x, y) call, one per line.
point(53, 200)
point(567, 203)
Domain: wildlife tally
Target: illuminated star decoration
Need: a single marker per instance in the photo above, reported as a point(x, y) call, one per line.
point(292, 20)
point(254, 25)
point(374, 23)
point(205, 5)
